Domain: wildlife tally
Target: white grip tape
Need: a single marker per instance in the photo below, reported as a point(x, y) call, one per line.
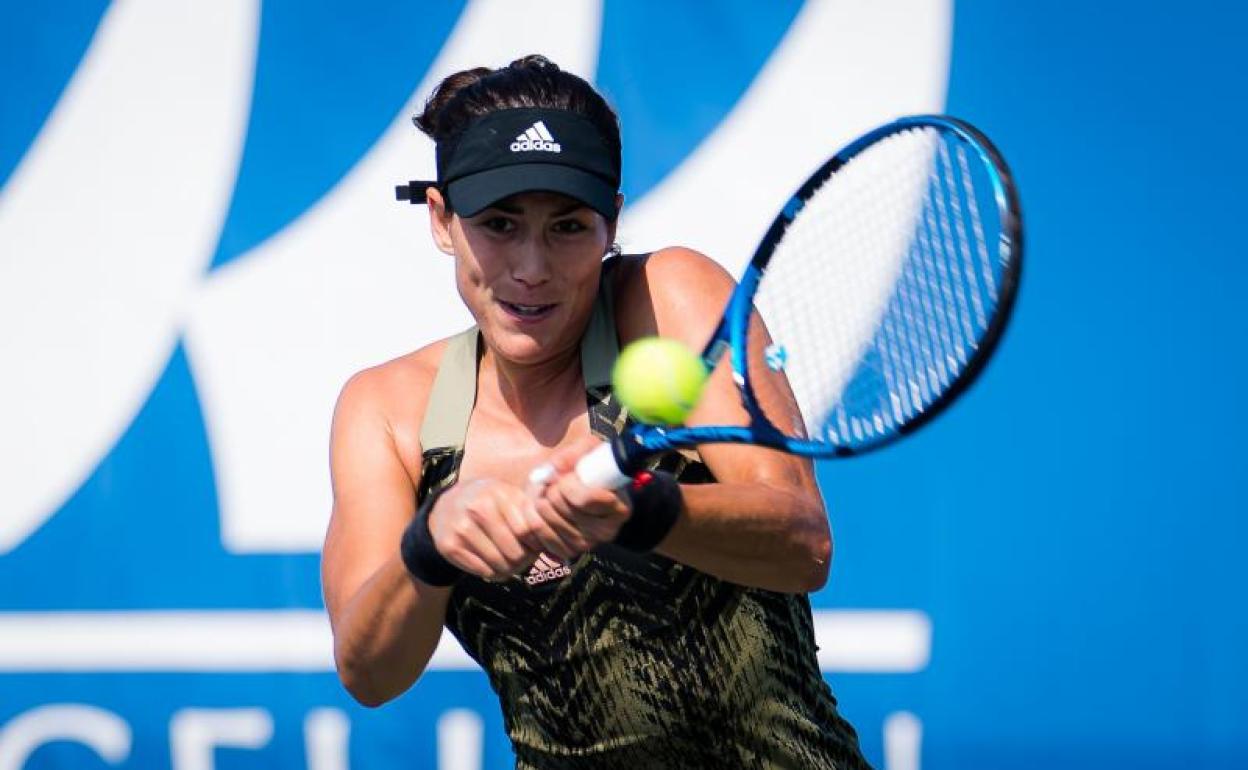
point(598, 469)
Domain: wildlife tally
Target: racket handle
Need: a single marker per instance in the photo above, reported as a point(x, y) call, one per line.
point(599, 469)
point(596, 469)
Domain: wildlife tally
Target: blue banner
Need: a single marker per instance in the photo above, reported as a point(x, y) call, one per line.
point(199, 244)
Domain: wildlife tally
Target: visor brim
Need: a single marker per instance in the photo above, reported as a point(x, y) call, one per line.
point(472, 194)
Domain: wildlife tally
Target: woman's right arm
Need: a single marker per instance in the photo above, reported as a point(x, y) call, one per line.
point(386, 624)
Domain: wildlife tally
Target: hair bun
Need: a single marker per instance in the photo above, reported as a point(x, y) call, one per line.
point(534, 61)
point(448, 89)
point(530, 81)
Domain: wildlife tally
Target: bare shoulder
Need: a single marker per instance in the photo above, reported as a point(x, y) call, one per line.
point(393, 385)
point(391, 397)
point(673, 292)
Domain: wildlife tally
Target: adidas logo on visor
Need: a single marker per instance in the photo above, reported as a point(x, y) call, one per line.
point(536, 137)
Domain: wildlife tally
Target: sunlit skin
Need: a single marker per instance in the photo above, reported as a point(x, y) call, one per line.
point(528, 269)
point(540, 250)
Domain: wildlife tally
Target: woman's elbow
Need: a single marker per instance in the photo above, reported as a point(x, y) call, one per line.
point(360, 683)
point(816, 559)
point(361, 688)
point(365, 696)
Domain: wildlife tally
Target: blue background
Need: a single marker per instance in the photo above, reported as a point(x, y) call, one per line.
point(1074, 527)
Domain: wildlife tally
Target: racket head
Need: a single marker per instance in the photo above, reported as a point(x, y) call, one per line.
point(886, 281)
point(875, 299)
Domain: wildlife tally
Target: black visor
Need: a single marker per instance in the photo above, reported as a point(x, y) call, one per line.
point(524, 150)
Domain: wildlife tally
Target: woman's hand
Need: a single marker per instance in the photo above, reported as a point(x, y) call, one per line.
point(475, 526)
point(564, 503)
point(493, 529)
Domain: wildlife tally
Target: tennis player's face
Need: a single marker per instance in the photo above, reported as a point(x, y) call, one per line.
point(528, 268)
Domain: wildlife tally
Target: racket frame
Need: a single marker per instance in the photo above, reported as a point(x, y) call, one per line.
point(634, 446)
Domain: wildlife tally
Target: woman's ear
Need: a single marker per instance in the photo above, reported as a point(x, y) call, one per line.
point(611, 226)
point(440, 221)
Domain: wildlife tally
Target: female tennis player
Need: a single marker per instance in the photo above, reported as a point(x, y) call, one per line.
point(663, 626)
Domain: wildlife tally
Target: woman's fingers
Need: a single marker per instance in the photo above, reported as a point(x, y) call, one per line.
point(470, 528)
point(563, 538)
point(596, 514)
point(536, 533)
point(493, 529)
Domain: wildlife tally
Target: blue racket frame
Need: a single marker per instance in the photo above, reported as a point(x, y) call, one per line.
point(641, 442)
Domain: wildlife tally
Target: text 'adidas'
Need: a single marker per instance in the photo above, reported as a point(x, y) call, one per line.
point(536, 137)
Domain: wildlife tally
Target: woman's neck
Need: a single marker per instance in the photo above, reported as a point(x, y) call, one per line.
point(544, 396)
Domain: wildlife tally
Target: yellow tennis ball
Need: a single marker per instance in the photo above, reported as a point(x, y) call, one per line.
point(658, 380)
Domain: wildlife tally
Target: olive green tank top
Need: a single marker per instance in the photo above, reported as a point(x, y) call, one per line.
point(625, 660)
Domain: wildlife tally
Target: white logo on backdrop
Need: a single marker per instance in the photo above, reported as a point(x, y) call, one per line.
point(104, 271)
point(105, 229)
point(103, 275)
point(109, 223)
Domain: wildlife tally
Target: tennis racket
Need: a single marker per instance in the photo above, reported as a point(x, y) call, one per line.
point(875, 299)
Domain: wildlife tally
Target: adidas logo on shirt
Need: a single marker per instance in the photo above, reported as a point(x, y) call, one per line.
point(537, 137)
point(546, 569)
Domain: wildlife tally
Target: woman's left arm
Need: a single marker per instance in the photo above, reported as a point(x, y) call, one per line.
point(763, 522)
point(762, 529)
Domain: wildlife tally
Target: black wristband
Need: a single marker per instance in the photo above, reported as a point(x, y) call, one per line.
point(420, 556)
point(656, 501)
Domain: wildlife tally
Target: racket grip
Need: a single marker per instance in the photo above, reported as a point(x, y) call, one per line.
point(599, 469)
point(596, 469)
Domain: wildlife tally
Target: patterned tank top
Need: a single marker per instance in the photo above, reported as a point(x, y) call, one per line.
point(625, 660)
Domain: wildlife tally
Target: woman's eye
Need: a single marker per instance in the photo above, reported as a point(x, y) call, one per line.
point(498, 224)
point(569, 226)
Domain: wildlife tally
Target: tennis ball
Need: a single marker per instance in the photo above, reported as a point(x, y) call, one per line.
point(658, 380)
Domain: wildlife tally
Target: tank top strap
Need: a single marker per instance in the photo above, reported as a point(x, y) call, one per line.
point(454, 393)
point(454, 390)
point(599, 345)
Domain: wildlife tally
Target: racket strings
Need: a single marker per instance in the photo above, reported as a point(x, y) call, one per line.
point(879, 292)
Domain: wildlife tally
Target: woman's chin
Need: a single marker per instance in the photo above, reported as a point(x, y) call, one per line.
point(521, 346)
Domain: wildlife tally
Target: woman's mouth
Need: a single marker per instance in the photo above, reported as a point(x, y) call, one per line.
point(527, 312)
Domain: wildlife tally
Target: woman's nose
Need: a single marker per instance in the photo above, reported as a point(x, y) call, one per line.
point(530, 265)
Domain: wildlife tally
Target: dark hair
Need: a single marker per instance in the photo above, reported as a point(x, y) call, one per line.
point(531, 81)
